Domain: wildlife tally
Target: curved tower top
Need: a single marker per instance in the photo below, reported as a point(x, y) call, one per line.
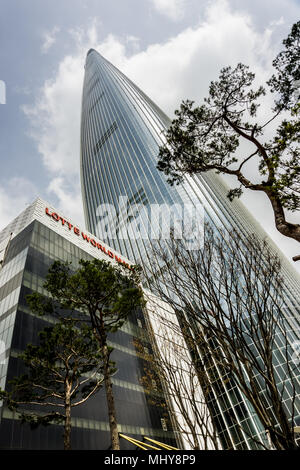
point(121, 131)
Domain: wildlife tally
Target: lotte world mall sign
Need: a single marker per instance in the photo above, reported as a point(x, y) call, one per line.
point(76, 231)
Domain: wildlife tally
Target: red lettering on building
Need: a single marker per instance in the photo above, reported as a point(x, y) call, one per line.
point(102, 248)
point(57, 217)
point(85, 237)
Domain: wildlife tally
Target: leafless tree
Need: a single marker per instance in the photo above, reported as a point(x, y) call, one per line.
point(228, 295)
point(171, 364)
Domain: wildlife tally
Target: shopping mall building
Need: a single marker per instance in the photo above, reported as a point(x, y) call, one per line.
point(29, 245)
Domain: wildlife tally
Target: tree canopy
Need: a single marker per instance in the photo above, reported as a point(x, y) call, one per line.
point(102, 294)
point(209, 136)
point(62, 372)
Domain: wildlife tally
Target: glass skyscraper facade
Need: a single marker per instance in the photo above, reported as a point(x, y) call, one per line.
point(121, 131)
point(28, 246)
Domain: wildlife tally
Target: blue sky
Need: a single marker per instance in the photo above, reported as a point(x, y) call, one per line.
point(171, 48)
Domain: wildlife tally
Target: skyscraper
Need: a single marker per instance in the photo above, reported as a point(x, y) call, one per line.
point(121, 131)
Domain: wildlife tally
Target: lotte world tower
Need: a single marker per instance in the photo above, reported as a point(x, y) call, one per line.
point(121, 131)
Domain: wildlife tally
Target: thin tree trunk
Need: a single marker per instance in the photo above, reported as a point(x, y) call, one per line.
point(100, 331)
point(67, 430)
point(115, 441)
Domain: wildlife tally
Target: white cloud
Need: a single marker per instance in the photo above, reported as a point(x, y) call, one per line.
point(173, 9)
point(182, 67)
point(69, 200)
point(15, 195)
point(179, 68)
point(190, 60)
point(55, 117)
point(49, 38)
point(133, 43)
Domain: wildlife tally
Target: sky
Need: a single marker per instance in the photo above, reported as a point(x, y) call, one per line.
point(172, 49)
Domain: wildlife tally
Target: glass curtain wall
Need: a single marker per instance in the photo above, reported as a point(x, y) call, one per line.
point(139, 413)
point(121, 131)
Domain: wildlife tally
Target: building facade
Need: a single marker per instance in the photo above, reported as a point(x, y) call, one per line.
point(28, 246)
point(127, 202)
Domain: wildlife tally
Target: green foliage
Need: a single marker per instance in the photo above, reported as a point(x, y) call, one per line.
point(208, 137)
point(90, 302)
point(99, 290)
point(286, 82)
point(67, 360)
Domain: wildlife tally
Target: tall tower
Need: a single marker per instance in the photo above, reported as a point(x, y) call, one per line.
point(121, 131)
